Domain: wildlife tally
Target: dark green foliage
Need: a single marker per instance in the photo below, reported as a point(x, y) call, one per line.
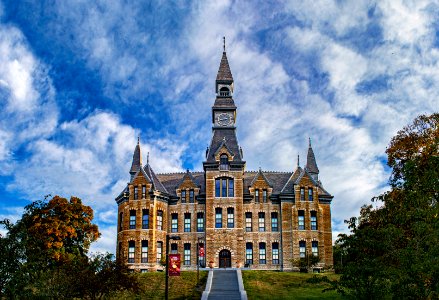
point(393, 250)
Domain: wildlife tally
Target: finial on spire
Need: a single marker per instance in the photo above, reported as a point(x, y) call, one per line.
point(138, 139)
point(224, 43)
point(298, 161)
point(147, 158)
point(309, 141)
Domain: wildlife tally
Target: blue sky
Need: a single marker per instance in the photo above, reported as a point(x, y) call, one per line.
point(80, 80)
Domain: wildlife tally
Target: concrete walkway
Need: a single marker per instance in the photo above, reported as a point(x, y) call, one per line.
point(224, 284)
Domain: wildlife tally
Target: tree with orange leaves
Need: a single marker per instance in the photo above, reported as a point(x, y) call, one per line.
point(61, 229)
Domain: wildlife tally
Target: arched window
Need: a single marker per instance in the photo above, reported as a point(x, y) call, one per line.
point(224, 91)
point(224, 187)
point(224, 162)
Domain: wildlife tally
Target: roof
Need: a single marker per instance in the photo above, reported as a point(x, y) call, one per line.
point(224, 102)
point(137, 160)
point(227, 137)
point(311, 164)
point(155, 180)
point(172, 180)
point(224, 73)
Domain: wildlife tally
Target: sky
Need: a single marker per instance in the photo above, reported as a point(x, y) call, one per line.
point(81, 80)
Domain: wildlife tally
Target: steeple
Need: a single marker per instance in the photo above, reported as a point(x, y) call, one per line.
point(137, 160)
point(311, 165)
point(224, 120)
point(224, 78)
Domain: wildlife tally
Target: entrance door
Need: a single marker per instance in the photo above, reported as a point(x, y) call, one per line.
point(225, 259)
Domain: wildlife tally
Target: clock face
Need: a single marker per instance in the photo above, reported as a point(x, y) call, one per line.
point(224, 119)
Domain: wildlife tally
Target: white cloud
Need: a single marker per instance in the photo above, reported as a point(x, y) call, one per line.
point(26, 94)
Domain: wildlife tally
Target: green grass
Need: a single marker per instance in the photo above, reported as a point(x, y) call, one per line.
point(286, 285)
point(180, 287)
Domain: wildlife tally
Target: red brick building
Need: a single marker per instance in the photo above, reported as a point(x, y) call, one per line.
point(238, 217)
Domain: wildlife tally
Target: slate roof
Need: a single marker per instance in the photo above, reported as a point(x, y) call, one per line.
point(172, 180)
point(137, 160)
point(224, 102)
point(311, 164)
point(155, 180)
point(276, 179)
point(224, 73)
point(230, 141)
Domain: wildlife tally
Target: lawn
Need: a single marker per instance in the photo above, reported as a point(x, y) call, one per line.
point(286, 285)
point(180, 287)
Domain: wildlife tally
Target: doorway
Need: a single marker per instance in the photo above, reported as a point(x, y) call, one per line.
point(225, 259)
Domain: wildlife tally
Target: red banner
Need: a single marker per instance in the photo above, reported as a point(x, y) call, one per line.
point(201, 254)
point(174, 265)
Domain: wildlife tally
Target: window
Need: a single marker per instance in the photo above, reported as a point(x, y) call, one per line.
point(183, 196)
point(145, 219)
point(261, 221)
point(224, 92)
point(159, 252)
point(143, 191)
point(191, 196)
point(302, 249)
point(132, 219)
point(249, 253)
point(302, 194)
point(224, 162)
point(313, 220)
point(187, 254)
point(174, 222)
point(264, 196)
point(310, 194)
point(230, 218)
point(231, 187)
point(121, 221)
point(187, 222)
point(217, 187)
point(144, 256)
point(131, 251)
point(248, 221)
point(224, 187)
point(262, 253)
point(159, 220)
point(136, 193)
point(256, 195)
point(315, 248)
point(200, 222)
point(275, 253)
point(174, 248)
point(301, 219)
point(274, 223)
point(218, 217)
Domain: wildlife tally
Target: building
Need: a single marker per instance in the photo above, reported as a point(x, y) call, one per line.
point(236, 217)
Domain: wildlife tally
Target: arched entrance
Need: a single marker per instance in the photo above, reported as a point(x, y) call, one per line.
point(225, 259)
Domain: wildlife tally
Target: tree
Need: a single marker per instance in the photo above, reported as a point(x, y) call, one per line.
point(44, 254)
point(394, 249)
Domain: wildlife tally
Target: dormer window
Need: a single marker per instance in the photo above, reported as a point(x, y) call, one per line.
point(224, 92)
point(224, 162)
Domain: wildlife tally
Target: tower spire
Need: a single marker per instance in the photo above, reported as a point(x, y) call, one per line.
point(137, 159)
point(311, 164)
